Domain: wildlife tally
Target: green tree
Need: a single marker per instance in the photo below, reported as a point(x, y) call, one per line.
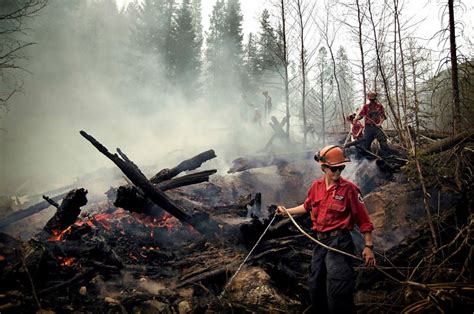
point(186, 56)
point(346, 80)
point(252, 67)
point(224, 51)
point(322, 109)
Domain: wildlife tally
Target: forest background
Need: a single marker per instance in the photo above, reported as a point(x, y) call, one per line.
point(164, 79)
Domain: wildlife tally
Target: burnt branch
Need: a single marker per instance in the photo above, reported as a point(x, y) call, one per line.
point(50, 201)
point(189, 179)
point(186, 165)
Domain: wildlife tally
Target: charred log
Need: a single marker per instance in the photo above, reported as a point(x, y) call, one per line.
point(189, 179)
point(202, 223)
point(186, 165)
point(245, 163)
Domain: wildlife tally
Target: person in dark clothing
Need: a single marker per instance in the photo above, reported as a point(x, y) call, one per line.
point(268, 104)
point(335, 206)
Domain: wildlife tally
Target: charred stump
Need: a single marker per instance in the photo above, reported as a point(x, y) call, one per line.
point(67, 212)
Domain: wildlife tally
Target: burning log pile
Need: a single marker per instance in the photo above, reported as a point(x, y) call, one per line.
point(145, 250)
point(169, 244)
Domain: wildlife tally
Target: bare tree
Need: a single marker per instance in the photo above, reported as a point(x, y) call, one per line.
point(454, 71)
point(304, 11)
point(13, 14)
point(284, 57)
point(379, 44)
point(328, 29)
point(360, 18)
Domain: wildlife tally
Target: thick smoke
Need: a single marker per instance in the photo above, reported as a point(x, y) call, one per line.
point(84, 81)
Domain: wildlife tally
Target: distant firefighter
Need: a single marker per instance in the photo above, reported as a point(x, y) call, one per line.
point(268, 104)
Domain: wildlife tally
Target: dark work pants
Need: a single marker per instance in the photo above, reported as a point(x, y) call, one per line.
point(332, 277)
point(372, 132)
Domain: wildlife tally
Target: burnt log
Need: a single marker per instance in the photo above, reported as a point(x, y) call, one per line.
point(67, 212)
point(246, 163)
point(132, 199)
point(186, 165)
point(200, 221)
point(277, 127)
point(189, 179)
point(18, 215)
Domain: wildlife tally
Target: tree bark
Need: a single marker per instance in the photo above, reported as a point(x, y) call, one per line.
point(454, 71)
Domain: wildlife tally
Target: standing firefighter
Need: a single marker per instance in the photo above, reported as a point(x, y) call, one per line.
point(268, 104)
point(335, 205)
point(374, 116)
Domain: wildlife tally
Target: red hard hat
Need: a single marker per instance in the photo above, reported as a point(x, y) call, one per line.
point(331, 155)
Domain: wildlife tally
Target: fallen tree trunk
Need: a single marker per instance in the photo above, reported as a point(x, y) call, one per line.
point(21, 214)
point(447, 143)
point(200, 221)
point(245, 163)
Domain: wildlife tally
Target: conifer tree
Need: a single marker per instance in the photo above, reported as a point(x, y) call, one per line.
point(186, 46)
point(346, 80)
point(224, 51)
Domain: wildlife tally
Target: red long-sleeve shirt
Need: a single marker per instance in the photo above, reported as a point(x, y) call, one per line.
point(339, 207)
point(373, 113)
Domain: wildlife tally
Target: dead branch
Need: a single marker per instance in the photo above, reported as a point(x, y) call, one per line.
point(189, 179)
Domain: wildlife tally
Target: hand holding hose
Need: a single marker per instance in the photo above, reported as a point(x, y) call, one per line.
point(369, 258)
point(281, 210)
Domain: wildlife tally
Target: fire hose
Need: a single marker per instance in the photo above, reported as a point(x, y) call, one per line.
point(334, 249)
point(308, 236)
point(247, 257)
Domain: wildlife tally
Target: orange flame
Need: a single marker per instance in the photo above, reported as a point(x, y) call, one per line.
point(58, 235)
point(66, 261)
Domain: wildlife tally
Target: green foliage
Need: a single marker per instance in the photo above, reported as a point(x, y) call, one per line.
point(345, 78)
point(186, 46)
point(438, 99)
point(224, 51)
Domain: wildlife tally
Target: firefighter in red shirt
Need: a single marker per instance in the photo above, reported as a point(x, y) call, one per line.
point(335, 205)
point(374, 115)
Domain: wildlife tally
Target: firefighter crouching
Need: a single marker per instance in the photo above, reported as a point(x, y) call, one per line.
point(335, 205)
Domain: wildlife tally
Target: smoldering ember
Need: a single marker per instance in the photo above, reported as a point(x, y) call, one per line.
point(275, 156)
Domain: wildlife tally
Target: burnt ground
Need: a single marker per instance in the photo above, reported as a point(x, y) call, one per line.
point(113, 260)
